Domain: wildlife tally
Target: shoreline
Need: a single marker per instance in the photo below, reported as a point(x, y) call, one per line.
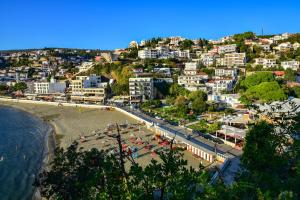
point(49, 147)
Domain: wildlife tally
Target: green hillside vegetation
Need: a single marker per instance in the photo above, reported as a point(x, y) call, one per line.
point(266, 92)
point(261, 87)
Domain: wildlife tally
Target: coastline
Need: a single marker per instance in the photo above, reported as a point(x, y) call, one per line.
point(62, 127)
point(48, 151)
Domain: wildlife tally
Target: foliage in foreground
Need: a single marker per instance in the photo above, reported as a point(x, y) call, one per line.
point(270, 169)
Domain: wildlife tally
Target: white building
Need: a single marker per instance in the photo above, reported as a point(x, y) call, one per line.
point(284, 46)
point(230, 99)
point(164, 71)
point(231, 72)
point(191, 68)
point(193, 82)
point(207, 59)
point(133, 44)
point(293, 64)
point(265, 47)
point(218, 85)
point(227, 48)
point(265, 62)
point(85, 66)
point(147, 53)
point(141, 89)
point(51, 87)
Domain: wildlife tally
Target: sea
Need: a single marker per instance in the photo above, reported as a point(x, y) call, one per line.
point(23, 151)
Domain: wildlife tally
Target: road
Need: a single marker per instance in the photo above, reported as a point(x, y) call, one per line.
point(182, 132)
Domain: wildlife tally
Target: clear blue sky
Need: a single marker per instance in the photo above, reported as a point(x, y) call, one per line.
point(108, 24)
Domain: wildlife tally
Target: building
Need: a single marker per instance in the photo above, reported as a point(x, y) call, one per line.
point(85, 66)
point(219, 85)
point(293, 64)
point(88, 88)
point(191, 68)
point(147, 53)
point(141, 89)
point(162, 71)
point(265, 62)
point(133, 44)
point(284, 46)
point(227, 48)
point(207, 59)
point(51, 87)
point(229, 99)
point(233, 59)
point(265, 47)
point(230, 72)
point(193, 82)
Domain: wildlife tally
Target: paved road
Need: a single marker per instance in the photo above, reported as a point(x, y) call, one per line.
point(182, 132)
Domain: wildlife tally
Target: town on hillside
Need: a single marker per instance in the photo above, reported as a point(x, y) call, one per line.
point(204, 87)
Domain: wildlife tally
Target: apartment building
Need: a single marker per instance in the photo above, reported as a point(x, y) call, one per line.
point(284, 46)
point(293, 64)
point(207, 59)
point(231, 72)
point(218, 85)
point(193, 82)
point(147, 53)
point(265, 47)
point(227, 48)
point(190, 68)
point(265, 62)
point(51, 87)
point(85, 66)
point(88, 88)
point(141, 89)
point(233, 59)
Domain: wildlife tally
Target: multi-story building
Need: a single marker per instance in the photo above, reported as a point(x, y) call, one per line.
point(193, 82)
point(141, 89)
point(231, 72)
point(88, 88)
point(265, 47)
point(147, 53)
point(162, 71)
point(293, 64)
point(191, 68)
point(233, 59)
point(284, 46)
point(207, 59)
point(85, 66)
point(51, 87)
point(218, 85)
point(227, 48)
point(265, 62)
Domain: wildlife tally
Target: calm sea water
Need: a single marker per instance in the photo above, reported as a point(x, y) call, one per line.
point(23, 140)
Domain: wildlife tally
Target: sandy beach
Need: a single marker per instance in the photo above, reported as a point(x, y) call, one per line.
point(71, 123)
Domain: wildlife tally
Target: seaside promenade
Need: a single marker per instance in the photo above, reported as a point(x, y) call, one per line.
point(197, 145)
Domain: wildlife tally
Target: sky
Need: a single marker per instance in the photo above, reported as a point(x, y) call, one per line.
point(108, 24)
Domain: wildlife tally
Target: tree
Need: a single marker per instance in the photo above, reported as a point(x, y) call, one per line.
point(197, 95)
point(257, 78)
point(96, 174)
point(199, 106)
point(270, 161)
point(21, 86)
point(290, 75)
point(295, 91)
point(186, 44)
point(177, 89)
point(151, 104)
point(265, 92)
